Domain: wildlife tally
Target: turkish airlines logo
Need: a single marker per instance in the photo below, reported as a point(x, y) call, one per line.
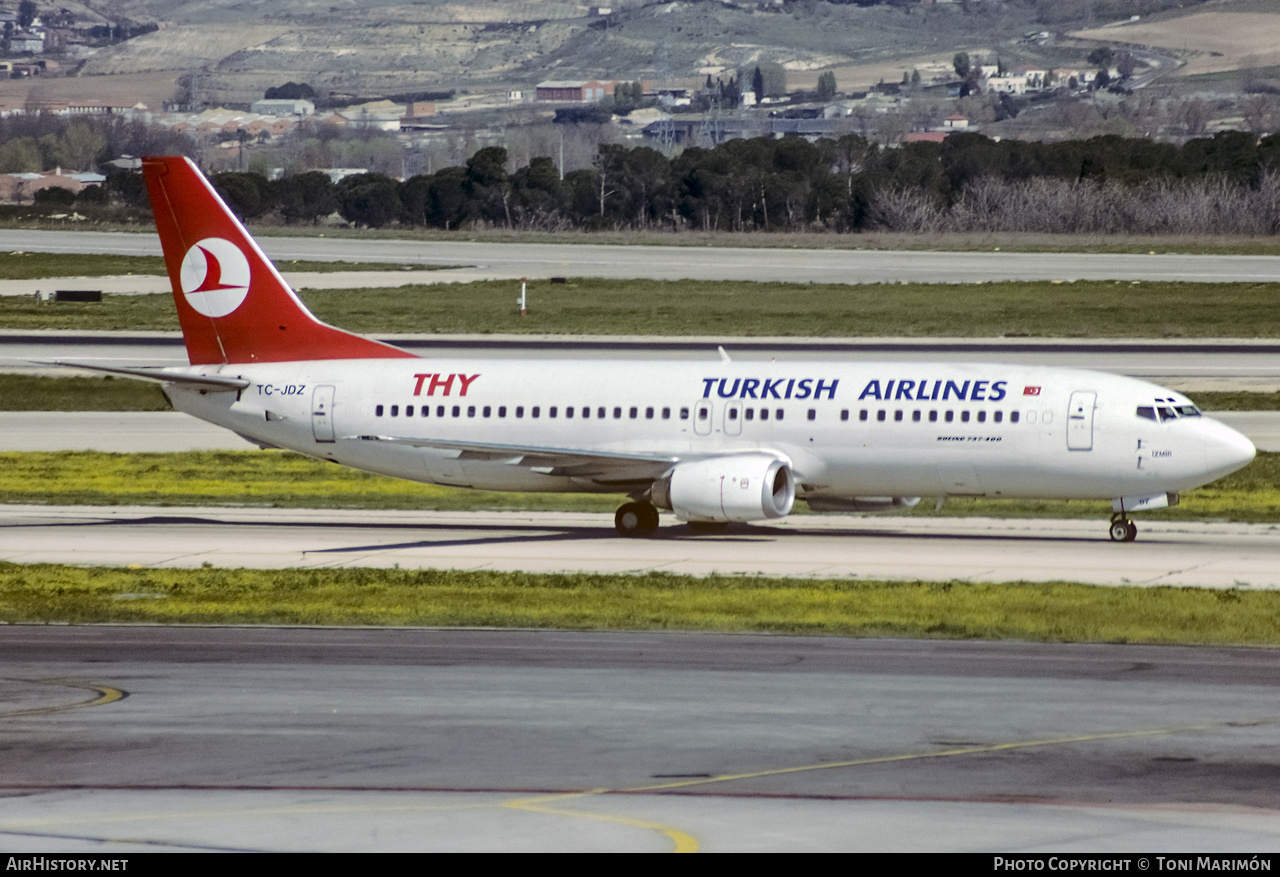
point(215, 277)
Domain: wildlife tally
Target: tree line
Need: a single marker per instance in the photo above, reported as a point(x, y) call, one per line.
point(1227, 182)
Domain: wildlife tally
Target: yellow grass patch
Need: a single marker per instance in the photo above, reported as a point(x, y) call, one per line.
point(1224, 40)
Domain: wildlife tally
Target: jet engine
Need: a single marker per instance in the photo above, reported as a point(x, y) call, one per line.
point(735, 487)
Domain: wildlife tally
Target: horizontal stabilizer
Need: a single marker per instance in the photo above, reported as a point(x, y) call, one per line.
point(214, 383)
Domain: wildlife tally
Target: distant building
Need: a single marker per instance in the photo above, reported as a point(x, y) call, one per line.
point(590, 91)
point(955, 123)
point(419, 115)
point(926, 137)
point(26, 44)
point(282, 107)
point(22, 187)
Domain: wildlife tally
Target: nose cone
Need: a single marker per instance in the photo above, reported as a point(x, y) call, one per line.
point(1225, 450)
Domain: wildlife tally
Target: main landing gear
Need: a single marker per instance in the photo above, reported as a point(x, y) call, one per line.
point(636, 519)
point(1123, 529)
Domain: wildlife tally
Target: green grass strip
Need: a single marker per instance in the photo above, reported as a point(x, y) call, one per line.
point(1055, 612)
point(287, 480)
point(1086, 309)
point(40, 393)
point(36, 266)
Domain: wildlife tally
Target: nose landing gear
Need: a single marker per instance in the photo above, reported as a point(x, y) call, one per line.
point(1123, 529)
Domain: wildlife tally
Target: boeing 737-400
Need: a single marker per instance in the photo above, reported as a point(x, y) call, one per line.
point(712, 440)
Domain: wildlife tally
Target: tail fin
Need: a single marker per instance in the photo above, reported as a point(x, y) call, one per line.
point(232, 303)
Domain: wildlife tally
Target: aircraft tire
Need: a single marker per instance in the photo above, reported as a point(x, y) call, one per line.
point(636, 519)
point(1123, 530)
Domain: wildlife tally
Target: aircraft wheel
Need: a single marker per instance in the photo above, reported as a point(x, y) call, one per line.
point(707, 526)
point(1123, 530)
point(636, 519)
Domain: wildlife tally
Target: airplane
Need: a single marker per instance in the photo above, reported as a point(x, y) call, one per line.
point(713, 440)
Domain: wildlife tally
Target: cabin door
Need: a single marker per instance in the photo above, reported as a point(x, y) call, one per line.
point(1080, 420)
point(322, 413)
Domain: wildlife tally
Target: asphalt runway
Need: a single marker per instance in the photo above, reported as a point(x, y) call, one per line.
point(1196, 554)
point(512, 261)
point(136, 739)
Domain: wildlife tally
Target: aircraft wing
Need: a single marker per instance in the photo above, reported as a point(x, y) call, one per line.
point(214, 383)
point(600, 466)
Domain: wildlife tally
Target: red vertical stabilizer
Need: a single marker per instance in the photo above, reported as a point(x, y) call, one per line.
point(232, 303)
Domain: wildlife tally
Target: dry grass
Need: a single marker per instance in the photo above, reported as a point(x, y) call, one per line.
point(1221, 40)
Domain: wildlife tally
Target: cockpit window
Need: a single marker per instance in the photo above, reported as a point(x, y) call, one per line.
point(1161, 413)
point(1147, 411)
point(1167, 414)
point(1188, 411)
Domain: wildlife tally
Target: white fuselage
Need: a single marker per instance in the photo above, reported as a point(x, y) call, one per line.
point(850, 429)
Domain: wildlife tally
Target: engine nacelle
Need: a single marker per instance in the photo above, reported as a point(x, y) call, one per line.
point(861, 503)
point(735, 487)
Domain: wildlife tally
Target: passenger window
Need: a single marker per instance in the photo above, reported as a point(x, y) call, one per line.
point(749, 413)
point(666, 414)
point(537, 410)
point(487, 411)
point(964, 416)
point(502, 410)
point(1013, 417)
point(915, 416)
point(395, 410)
point(933, 417)
point(377, 411)
point(862, 415)
point(764, 413)
point(634, 413)
point(684, 413)
point(813, 415)
point(568, 412)
point(844, 414)
point(440, 411)
point(703, 413)
point(949, 416)
point(777, 415)
point(602, 412)
point(648, 413)
point(617, 413)
point(982, 417)
point(733, 413)
point(408, 411)
point(551, 412)
point(880, 416)
point(998, 416)
point(897, 416)
point(519, 411)
point(471, 411)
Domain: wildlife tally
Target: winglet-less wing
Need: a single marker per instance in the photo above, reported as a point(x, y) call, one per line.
point(214, 383)
point(569, 462)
